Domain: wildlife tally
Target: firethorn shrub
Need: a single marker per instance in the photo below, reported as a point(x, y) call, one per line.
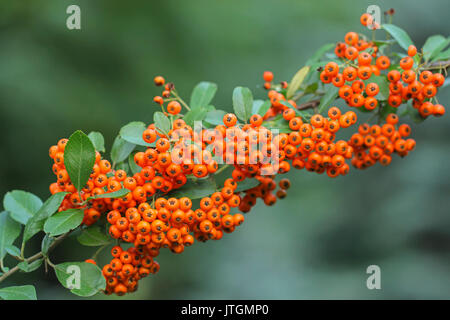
point(192, 174)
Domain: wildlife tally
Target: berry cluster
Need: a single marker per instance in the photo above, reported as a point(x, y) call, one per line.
point(377, 143)
point(312, 145)
point(126, 268)
point(359, 65)
point(408, 84)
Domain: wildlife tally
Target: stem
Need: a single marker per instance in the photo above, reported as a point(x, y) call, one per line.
point(181, 100)
point(436, 65)
point(35, 257)
point(22, 250)
point(99, 250)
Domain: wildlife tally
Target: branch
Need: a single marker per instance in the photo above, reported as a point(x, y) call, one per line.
point(309, 105)
point(437, 65)
point(35, 257)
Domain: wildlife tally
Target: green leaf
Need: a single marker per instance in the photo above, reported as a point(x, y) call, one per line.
point(21, 205)
point(297, 81)
point(247, 184)
point(46, 243)
point(9, 231)
point(414, 114)
point(195, 189)
point(215, 117)
point(18, 293)
point(132, 164)
point(434, 45)
point(202, 94)
point(116, 194)
point(12, 250)
point(312, 88)
point(319, 53)
point(79, 158)
point(242, 103)
point(444, 55)
point(82, 278)
point(93, 237)
point(132, 132)
point(123, 166)
point(97, 140)
point(399, 35)
point(261, 107)
point(162, 123)
point(30, 267)
point(36, 222)
point(197, 114)
point(63, 222)
point(121, 149)
point(330, 95)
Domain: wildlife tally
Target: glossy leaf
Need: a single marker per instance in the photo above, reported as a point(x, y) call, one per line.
point(97, 140)
point(132, 164)
point(47, 241)
point(444, 55)
point(297, 81)
point(132, 133)
point(30, 267)
point(121, 149)
point(399, 35)
point(21, 205)
point(79, 159)
point(63, 222)
point(112, 195)
point(242, 103)
point(434, 45)
point(247, 184)
point(261, 107)
point(215, 117)
point(197, 114)
point(162, 123)
point(12, 250)
point(36, 222)
point(82, 278)
point(202, 94)
point(9, 231)
point(329, 97)
point(195, 189)
point(93, 237)
point(27, 292)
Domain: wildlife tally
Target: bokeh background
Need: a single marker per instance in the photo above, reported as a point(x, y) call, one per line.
point(318, 242)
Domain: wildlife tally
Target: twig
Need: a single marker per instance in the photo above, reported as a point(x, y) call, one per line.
point(309, 105)
point(437, 65)
point(34, 257)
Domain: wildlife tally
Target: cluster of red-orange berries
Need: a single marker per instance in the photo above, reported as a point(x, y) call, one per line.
point(360, 64)
point(408, 84)
point(377, 143)
point(126, 268)
point(173, 107)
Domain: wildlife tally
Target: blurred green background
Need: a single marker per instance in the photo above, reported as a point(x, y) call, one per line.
point(318, 242)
